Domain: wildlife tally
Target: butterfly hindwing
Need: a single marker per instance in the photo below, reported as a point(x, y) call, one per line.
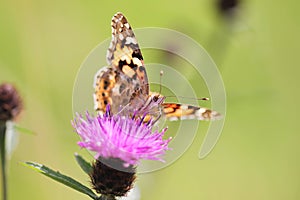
point(176, 111)
point(110, 88)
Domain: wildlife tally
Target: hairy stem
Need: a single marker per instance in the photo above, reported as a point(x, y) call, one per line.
point(3, 159)
point(104, 197)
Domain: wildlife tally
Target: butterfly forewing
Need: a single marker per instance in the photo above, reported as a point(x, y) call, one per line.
point(125, 55)
point(125, 81)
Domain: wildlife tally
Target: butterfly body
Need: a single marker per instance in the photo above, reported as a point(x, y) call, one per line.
point(124, 85)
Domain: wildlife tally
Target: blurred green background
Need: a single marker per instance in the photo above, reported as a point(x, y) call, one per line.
point(43, 44)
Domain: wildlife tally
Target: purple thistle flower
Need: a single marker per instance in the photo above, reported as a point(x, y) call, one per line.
point(125, 138)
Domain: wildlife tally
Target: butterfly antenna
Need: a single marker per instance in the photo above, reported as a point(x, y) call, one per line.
point(160, 89)
point(199, 99)
point(160, 77)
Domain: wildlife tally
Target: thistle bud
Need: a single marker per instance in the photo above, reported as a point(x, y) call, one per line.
point(111, 178)
point(10, 102)
point(227, 7)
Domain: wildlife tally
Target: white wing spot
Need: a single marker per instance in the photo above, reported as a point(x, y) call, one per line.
point(137, 61)
point(111, 44)
point(184, 107)
point(130, 40)
point(127, 25)
point(121, 36)
point(202, 110)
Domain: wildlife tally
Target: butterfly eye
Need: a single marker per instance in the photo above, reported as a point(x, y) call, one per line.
point(155, 98)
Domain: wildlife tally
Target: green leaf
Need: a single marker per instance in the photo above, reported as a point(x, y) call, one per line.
point(84, 165)
point(66, 180)
point(24, 130)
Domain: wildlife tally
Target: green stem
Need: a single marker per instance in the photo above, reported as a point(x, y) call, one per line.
point(104, 197)
point(3, 159)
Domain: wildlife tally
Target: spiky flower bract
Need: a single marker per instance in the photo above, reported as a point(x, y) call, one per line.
point(110, 177)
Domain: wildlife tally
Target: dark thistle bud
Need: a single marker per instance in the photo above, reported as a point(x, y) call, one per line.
point(111, 178)
point(227, 7)
point(10, 102)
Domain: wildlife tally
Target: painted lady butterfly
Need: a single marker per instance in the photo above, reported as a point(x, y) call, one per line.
point(124, 83)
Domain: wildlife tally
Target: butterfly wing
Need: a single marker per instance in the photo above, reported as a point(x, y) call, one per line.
point(175, 111)
point(125, 81)
point(104, 84)
point(125, 55)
